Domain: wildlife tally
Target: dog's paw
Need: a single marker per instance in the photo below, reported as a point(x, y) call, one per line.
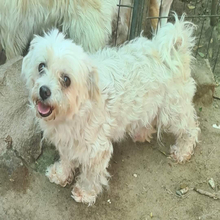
point(180, 155)
point(57, 174)
point(80, 195)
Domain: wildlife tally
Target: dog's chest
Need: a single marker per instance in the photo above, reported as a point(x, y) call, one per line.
point(68, 138)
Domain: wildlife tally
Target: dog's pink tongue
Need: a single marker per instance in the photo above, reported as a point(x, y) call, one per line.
point(42, 108)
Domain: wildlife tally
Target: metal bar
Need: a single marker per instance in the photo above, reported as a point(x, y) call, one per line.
point(213, 70)
point(140, 17)
point(191, 16)
point(218, 6)
point(215, 10)
point(129, 26)
point(214, 20)
point(119, 7)
point(207, 3)
point(125, 6)
point(195, 7)
point(134, 19)
point(158, 21)
point(199, 39)
point(184, 6)
point(172, 5)
point(194, 11)
point(136, 16)
point(210, 38)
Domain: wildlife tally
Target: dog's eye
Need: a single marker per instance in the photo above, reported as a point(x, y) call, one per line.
point(66, 81)
point(41, 67)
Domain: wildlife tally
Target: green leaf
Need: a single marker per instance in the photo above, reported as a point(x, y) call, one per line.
point(201, 54)
point(191, 6)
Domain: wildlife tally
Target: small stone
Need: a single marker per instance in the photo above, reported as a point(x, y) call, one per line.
point(178, 193)
point(216, 126)
point(109, 201)
point(216, 106)
point(8, 140)
point(184, 191)
point(135, 175)
point(212, 183)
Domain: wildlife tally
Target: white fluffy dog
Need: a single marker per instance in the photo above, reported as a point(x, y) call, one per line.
point(85, 102)
point(87, 22)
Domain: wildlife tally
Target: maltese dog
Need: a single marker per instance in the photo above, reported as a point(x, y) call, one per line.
point(84, 102)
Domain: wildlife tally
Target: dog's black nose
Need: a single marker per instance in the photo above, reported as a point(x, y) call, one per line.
point(45, 92)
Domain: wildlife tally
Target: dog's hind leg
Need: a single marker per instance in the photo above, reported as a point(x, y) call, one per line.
point(183, 124)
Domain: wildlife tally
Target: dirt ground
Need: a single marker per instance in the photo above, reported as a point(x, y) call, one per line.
point(150, 194)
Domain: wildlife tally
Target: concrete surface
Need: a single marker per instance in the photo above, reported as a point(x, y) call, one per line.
point(19, 133)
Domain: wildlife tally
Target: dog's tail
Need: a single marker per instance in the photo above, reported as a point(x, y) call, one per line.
point(175, 43)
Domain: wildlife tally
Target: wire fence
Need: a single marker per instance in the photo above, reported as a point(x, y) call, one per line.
point(204, 13)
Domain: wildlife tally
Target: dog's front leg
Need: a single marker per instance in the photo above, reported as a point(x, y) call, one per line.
point(61, 172)
point(94, 175)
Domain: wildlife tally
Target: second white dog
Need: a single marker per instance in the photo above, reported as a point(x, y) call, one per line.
point(87, 22)
point(84, 102)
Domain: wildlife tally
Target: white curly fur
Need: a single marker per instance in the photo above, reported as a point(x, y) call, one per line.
point(88, 22)
point(112, 92)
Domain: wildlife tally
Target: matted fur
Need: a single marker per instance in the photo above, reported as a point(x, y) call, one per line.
point(88, 22)
point(113, 92)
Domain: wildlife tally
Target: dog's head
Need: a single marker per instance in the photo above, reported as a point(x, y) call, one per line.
point(59, 76)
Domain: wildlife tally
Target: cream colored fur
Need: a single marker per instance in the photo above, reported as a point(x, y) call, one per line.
point(88, 22)
point(143, 85)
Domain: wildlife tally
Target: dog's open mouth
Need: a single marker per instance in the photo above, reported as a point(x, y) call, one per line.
point(43, 109)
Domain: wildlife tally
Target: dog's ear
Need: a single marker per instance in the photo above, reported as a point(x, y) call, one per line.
point(28, 65)
point(26, 68)
point(92, 83)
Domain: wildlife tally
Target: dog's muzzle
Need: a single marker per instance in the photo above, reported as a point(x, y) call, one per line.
point(44, 109)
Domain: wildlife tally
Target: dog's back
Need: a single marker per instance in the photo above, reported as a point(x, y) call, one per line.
point(169, 51)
